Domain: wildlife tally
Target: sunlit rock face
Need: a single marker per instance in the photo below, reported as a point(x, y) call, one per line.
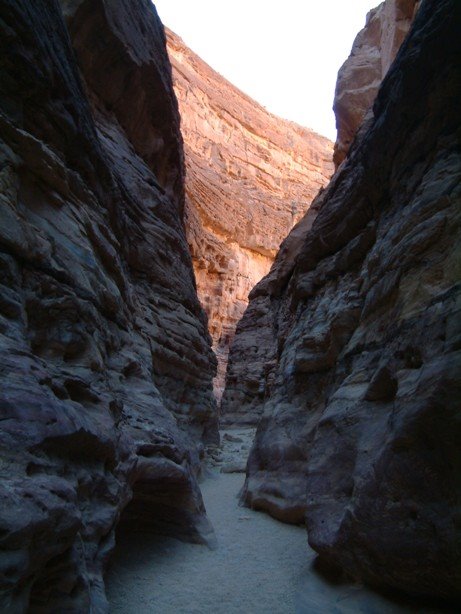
point(359, 78)
point(351, 346)
point(106, 369)
point(250, 176)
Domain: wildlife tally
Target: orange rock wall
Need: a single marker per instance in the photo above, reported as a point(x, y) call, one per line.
point(359, 78)
point(250, 176)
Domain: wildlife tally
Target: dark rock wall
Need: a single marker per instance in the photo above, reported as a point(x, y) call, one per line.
point(350, 347)
point(106, 370)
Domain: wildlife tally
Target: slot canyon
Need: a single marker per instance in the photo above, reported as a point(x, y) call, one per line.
point(250, 177)
point(231, 349)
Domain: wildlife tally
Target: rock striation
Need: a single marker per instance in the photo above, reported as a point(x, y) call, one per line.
point(106, 371)
point(351, 346)
point(359, 78)
point(250, 176)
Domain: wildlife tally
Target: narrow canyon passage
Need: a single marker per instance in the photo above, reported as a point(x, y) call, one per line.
point(259, 565)
point(140, 201)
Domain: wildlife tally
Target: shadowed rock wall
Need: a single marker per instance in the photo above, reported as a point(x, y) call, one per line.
point(106, 370)
point(351, 345)
point(250, 176)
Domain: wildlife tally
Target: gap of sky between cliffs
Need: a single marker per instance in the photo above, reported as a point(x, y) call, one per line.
point(285, 55)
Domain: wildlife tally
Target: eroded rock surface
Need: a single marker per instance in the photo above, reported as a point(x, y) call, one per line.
point(359, 78)
point(250, 176)
point(106, 370)
point(351, 346)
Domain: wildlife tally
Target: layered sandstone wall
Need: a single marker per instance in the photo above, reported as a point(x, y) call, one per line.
point(106, 371)
point(351, 346)
point(359, 78)
point(250, 176)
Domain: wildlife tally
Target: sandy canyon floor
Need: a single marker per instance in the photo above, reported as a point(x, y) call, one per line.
point(259, 565)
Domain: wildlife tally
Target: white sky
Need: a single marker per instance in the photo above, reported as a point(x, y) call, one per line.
point(285, 54)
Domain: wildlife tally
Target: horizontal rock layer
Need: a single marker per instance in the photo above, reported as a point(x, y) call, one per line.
point(250, 176)
point(351, 346)
point(106, 371)
point(359, 78)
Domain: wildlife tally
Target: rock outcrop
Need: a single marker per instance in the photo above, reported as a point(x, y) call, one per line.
point(250, 176)
point(351, 346)
point(106, 371)
point(359, 78)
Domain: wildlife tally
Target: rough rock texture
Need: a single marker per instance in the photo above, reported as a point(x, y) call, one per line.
point(106, 370)
point(359, 78)
point(250, 176)
point(352, 344)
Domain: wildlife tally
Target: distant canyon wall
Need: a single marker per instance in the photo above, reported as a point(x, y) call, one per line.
point(350, 350)
point(250, 176)
point(359, 78)
point(106, 365)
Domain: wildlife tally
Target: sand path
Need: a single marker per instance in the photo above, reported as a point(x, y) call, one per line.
point(259, 566)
